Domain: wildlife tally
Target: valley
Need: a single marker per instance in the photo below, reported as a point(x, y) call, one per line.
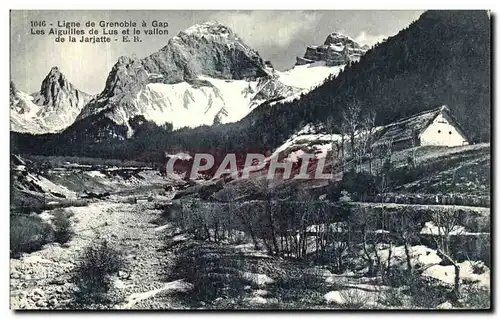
point(170, 263)
point(200, 177)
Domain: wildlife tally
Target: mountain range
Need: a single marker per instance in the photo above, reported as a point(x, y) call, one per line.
point(443, 58)
point(50, 110)
point(205, 75)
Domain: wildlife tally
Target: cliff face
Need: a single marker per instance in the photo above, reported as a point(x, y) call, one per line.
point(52, 109)
point(338, 49)
point(211, 49)
point(204, 75)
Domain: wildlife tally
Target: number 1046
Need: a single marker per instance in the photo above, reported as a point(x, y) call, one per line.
point(38, 24)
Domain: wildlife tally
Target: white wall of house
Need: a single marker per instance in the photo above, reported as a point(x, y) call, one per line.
point(442, 133)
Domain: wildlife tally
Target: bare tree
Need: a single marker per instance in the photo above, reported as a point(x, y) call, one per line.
point(339, 242)
point(247, 218)
point(351, 123)
point(268, 192)
point(363, 221)
point(406, 228)
point(383, 153)
point(368, 126)
point(414, 144)
point(306, 213)
point(447, 221)
point(337, 146)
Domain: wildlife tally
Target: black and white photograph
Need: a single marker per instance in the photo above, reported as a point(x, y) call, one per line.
point(231, 160)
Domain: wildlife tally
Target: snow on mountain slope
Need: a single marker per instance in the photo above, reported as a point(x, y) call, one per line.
point(307, 76)
point(50, 110)
point(203, 102)
point(310, 138)
point(204, 75)
point(319, 63)
point(186, 105)
point(23, 113)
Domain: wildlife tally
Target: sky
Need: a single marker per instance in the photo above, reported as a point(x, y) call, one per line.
point(278, 36)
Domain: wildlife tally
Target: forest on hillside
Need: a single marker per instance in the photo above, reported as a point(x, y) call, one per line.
point(442, 58)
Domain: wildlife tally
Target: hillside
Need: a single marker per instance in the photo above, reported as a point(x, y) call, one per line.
point(201, 178)
point(50, 110)
point(442, 58)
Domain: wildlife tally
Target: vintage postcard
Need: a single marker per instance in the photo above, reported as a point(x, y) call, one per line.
point(250, 160)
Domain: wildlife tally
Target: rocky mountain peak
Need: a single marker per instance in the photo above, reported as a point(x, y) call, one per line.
point(55, 78)
point(336, 38)
point(338, 49)
point(196, 58)
point(210, 49)
point(55, 71)
point(49, 110)
point(211, 29)
point(127, 77)
point(59, 99)
point(127, 73)
point(53, 86)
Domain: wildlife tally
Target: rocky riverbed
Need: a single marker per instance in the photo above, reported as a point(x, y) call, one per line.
point(41, 280)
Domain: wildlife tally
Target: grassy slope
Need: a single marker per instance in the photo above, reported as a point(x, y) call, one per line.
point(460, 170)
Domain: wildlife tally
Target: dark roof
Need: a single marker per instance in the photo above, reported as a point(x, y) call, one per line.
point(404, 129)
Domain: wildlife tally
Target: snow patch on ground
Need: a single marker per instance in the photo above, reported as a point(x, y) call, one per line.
point(96, 174)
point(181, 237)
point(447, 273)
point(352, 297)
point(45, 216)
point(49, 187)
point(308, 76)
point(173, 286)
point(121, 285)
point(249, 250)
point(258, 279)
point(261, 292)
point(163, 228)
point(420, 254)
point(36, 259)
point(308, 137)
point(431, 229)
point(257, 300)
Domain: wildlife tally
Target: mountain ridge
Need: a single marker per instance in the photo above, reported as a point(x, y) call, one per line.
point(207, 70)
point(338, 49)
point(52, 109)
point(441, 58)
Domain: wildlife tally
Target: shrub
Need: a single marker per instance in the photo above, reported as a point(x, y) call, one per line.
point(422, 292)
point(477, 298)
point(300, 281)
point(28, 233)
point(213, 272)
point(426, 294)
point(92, 275)
point(393, 298)
point(62, 224)
point(359, 184)
point(354, 298)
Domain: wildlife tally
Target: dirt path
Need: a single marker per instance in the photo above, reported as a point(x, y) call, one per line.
point(40, 280)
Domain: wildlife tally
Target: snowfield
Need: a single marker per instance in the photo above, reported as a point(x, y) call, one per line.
point(308, 76)
point(26, 119)
point(185, 106)
point(306, 138)
point(191, 105)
